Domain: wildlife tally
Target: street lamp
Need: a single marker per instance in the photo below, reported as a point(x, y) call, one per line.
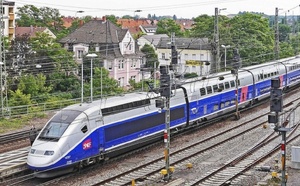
point(90, 56)
point(225, 47)
point(79, 11)
point(135, 12)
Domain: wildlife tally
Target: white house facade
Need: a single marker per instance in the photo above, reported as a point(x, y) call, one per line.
point(194, 55)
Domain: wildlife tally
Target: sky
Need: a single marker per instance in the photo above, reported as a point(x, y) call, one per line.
point(182, 8)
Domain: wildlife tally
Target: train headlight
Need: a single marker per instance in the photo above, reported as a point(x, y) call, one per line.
point(49, 153)
point(32, 151)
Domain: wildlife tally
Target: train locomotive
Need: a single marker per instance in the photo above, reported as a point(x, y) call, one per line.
point(85, 133)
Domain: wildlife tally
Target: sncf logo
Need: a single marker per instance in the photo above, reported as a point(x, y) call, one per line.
point(87, 144)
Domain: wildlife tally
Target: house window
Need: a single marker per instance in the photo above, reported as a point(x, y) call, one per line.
point(3, 10)
point(79, 54)
point(163, 56)
point(130, 47)
point(186, 56)
point(133, 78)
point(194, 69)
point(133, 64)
point(201, 56)
point(109, 65)
point(121, 81)
point(193, 56)
point(121, 64)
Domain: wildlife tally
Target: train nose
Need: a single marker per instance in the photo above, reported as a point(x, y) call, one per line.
point(40, 158)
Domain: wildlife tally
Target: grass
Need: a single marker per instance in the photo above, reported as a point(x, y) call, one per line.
point(10, 124)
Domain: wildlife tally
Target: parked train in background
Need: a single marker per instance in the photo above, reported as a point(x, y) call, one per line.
point(83, 133)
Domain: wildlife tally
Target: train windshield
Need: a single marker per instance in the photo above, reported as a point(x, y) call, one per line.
point(54, 131)
point(58, 125)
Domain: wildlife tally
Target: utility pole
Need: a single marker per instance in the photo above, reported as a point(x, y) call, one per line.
point(276, 48)
point(216, 51)
point(3, 87)
point(165, 92)
point(236, 65)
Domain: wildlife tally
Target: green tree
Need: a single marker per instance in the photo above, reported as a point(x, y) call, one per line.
point(109, 85)
point(251, 34)
point(203, 27)
point(18, 98)
point(113, 19)
point(34, 86)
point(151, 57)
point(29, 15)
point(284, 31)
point(167, 26)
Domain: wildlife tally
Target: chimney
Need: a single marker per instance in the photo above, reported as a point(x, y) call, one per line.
point(104, 18)
point(81, 22)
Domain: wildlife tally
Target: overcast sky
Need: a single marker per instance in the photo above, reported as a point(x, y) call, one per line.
point(181, 8)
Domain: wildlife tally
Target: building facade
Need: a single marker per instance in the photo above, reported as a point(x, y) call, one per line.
point(7, 19)
point(194, 55)
point(118, 51)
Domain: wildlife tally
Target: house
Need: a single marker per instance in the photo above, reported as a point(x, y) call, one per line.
point(31, 31)
point(149, 29)
point(136, 26)
point(133, 25)
point(116, 46)
point(193, 54)
point(8, 22)
point(185, 24)
point(151, 40)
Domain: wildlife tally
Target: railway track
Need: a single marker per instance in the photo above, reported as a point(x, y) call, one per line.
point(226, 174)
point(13, 162)
point(159, 164)
point(17, 136)
point(150, 170)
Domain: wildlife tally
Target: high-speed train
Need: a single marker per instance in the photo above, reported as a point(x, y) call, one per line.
point(84, 133)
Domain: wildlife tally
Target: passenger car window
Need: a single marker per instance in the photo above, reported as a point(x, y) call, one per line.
point(215, 87)
point(202, 91)
point(209, 90)
point(227, 85)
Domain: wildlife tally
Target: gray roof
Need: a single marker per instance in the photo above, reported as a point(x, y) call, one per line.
point(185, 43)
point(154, 39)
point(98, 32)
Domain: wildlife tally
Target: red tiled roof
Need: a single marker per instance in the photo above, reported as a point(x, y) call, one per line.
point(31, 31)
point(133, 24)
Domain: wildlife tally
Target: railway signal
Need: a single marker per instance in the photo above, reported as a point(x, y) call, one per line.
point(276, 102)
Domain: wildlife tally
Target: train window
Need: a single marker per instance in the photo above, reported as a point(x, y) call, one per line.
point(232, 84)
point(272, 74)
point(126, 106)
point(202, 91)
point(233, 101)
point(239, 83)
point(269, 75)
point(84, 129)
point(216, 107)
point(209, 90)
point(54, 130)
point(227, 85)
point(222, 105)
point(215, 87)
point(261, 76)
point(258, 77)
point(227, 103)
point(221, 86)
point(265, 76)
